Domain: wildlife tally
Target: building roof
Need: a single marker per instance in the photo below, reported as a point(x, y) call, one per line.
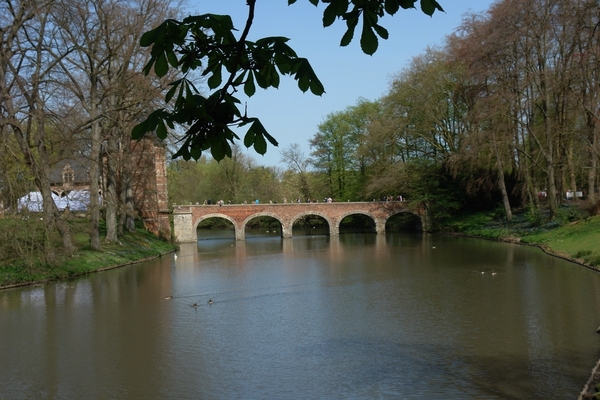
point(79, 168)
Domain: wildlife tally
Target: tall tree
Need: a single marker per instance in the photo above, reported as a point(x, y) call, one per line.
point(28, 42)
point(333, 151)
point(84, 70)
point(299, 164)
point(101, 75)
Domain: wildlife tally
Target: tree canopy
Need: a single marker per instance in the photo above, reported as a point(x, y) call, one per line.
point(207, 43)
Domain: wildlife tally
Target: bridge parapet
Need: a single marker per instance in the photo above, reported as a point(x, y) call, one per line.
point(187, 217)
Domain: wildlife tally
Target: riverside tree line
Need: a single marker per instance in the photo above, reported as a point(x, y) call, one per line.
point(508, 107)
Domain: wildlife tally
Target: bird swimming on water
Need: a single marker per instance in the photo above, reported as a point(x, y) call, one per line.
point(210, 301)
point(169, 298)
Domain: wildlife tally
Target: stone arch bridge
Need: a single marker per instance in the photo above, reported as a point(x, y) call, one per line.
point(187, 218)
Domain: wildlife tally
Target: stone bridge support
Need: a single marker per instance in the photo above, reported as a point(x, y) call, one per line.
point(183, 226)
point(380, 225)
point(286, 230)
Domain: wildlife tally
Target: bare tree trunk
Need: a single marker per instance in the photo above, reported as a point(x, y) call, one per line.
point(110, 197)
point(51, 213)
point(592, 173)
point(94, 159)
point(501, 182)
point(127, 217)
point(553, 195)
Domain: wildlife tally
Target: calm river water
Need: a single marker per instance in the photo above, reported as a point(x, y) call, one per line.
point(398, 316)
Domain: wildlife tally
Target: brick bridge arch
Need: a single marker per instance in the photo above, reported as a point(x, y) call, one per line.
point(187, 218)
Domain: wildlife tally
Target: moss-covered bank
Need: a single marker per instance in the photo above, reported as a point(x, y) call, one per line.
point(24, 251)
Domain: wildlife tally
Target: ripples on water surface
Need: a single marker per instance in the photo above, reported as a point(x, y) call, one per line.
point(359, 316)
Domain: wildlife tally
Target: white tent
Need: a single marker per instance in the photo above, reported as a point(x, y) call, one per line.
point(33, 201)
point(76, 200)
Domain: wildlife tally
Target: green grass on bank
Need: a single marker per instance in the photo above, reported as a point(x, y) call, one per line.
point(25, 244)
point(571, 234)
point(578, 240)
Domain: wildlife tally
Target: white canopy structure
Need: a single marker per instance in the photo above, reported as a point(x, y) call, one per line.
point(76, 200)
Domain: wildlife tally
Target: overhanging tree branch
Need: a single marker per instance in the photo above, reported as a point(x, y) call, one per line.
point(207, 42)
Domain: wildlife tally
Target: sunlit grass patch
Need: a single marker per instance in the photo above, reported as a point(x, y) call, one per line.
point(579, 239)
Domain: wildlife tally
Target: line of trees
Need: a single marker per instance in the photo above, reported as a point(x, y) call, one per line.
point(71, 87)
point(505, 111)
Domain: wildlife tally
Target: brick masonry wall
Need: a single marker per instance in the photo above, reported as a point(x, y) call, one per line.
point(186, 218)
point(150, 186)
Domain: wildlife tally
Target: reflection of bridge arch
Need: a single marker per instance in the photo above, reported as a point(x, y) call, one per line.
point(242, 231)
point(187, 218)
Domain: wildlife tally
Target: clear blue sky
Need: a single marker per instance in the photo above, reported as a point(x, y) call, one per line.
point(346, 72)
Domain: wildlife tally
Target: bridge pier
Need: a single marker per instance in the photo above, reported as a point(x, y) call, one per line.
point(380, 226)
point(240, 234)
point(184, 226)
point(334, 229)
point(286, 230)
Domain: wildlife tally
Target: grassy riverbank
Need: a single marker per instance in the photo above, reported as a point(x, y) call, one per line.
point(24, 257)
point(573, 234)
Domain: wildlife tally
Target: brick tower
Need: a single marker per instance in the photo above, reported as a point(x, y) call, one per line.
point(149, 177)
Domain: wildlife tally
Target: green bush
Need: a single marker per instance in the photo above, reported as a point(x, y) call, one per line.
point(582, 253)
point(534, 217)
point(593, 261)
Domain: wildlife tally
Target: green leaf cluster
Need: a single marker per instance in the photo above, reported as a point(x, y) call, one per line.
point(207, 42)
point(370, 11)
